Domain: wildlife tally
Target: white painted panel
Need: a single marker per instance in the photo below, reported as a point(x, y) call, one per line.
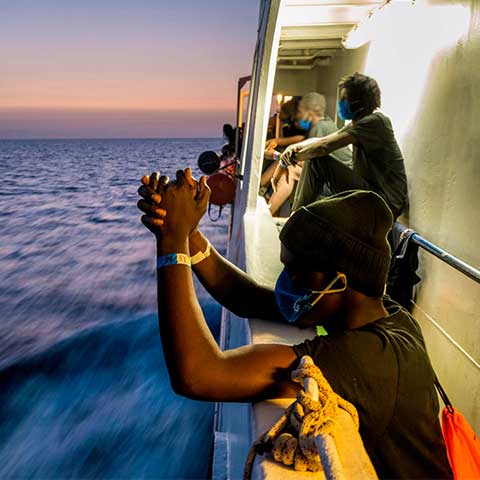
point(430, 84)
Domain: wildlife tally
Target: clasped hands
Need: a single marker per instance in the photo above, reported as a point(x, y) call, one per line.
point(173, 209)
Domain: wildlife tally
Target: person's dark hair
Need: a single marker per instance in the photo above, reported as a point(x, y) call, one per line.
point(362, 89)
point(289, 109)
point(229, 133)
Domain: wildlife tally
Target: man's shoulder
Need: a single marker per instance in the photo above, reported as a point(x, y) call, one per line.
point(399, 327)
point(323, 127)
point(342, 344)
point(371, 130)
point(398, 330)
point(374, 118)
point(328, 122)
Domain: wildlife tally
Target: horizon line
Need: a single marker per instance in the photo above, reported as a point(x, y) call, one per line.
point(109, 138)
point(110, 109)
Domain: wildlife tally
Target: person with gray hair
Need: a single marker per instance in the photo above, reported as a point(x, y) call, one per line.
point(312, 118)
point(314, 102)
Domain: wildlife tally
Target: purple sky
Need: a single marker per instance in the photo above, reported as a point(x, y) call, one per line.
point(118, 68)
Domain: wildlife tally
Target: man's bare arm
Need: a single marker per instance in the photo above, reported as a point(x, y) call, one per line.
point(316, 147)
point(286, 141)
point(197, 367)
point(330, 143)
point(231, 286)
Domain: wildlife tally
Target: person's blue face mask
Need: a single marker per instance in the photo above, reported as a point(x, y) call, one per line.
point(345, 110)
point(295, 302)
point(305, 124)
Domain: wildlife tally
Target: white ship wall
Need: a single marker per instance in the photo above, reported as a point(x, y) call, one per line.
point(426, 60)
point(428, 69)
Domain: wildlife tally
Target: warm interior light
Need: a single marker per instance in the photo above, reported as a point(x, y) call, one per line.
point(287, 98)
point(279, 98)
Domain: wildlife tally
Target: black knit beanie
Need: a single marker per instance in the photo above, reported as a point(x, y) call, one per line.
point(347, 233)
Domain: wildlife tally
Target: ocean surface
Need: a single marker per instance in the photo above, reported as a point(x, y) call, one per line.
point(84, 391)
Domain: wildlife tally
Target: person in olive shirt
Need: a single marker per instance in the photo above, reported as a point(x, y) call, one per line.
point(378, 163)
point(312, 118)
point(336, 258)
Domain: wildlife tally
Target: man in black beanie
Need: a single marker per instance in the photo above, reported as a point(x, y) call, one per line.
point(336, 258)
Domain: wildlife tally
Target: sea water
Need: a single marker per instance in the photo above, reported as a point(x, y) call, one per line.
point(84, 391)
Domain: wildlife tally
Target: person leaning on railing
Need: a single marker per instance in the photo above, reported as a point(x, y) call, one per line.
point(336, 259)
point(378, 163)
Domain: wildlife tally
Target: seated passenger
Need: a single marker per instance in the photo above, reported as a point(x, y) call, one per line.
point(336, 258)
point(310, 116)
point(292, 133)
point(377, 160)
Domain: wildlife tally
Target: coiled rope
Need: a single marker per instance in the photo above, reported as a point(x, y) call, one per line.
point(303, 437)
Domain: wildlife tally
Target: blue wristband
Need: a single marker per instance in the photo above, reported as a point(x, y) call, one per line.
point(173, 259)
point(276, 157)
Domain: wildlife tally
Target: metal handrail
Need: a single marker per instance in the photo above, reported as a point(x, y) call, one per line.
point(460, 265)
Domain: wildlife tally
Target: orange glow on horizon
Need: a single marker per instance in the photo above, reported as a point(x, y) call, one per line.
point(110, 56)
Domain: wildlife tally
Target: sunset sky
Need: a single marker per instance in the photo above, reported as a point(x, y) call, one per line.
point(122, 68)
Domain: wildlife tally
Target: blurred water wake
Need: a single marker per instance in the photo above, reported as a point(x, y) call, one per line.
point(84, 392)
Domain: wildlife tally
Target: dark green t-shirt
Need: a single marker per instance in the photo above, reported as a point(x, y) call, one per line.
point(325, 127)
point(378, 159)
point(384, 370)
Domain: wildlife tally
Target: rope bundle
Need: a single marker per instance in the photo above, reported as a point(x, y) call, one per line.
point(308, 421)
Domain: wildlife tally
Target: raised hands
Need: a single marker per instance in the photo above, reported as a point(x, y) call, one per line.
point(151, 190)
point(173, 209)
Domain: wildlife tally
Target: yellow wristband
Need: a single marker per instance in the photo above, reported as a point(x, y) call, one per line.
point(200, 256)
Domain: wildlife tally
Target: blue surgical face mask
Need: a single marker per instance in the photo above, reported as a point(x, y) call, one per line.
point(305, 124)
point(345, 110)
point(295, 302)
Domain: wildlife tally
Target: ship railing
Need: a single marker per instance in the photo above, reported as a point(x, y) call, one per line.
point(453, 261)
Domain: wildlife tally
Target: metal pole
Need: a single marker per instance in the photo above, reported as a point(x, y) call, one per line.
point(460, 265)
